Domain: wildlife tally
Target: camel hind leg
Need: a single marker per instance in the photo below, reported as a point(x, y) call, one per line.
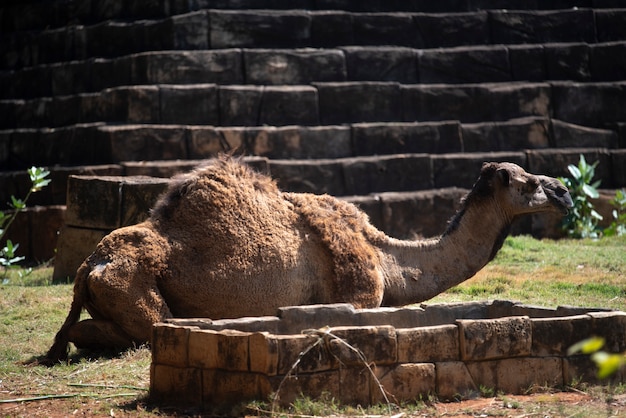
point(98, 334)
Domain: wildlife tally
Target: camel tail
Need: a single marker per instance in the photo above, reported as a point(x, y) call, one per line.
point(59, 350)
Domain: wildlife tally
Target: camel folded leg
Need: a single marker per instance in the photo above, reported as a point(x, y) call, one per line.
point(97, 334)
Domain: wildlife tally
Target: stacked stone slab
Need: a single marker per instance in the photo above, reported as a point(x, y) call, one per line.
point(399, 99)
point(449, 351)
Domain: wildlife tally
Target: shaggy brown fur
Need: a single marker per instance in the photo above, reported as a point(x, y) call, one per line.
point(224, 241)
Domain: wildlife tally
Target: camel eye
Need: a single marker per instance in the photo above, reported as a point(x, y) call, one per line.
point(531, 184)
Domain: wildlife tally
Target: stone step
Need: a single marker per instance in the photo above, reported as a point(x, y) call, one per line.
point(333, 103)
point(103, 144)
point(25, 15)
point(346, 176)
point(223, 29)
point(121, 194)
point(501, 63)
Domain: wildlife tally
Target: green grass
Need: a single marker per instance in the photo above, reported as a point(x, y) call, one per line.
point(547, 273)
point(551, 273)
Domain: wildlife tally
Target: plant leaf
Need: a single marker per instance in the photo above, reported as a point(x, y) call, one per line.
point(586, 346)
point(591, 191)
point(575, 171)
point(607, 363)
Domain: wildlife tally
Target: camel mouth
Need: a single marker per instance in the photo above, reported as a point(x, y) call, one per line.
point(557, 194)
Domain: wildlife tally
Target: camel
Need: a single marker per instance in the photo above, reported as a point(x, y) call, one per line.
point(224, 242)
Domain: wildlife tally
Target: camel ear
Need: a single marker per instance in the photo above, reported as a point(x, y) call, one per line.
point(504, 176)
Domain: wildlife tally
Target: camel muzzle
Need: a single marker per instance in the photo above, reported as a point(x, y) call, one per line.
point(557, 193)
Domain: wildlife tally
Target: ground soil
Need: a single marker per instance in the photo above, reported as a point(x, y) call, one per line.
point(559, 404)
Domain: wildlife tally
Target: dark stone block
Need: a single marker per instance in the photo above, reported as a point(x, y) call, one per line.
point(620, 127)
point(65, 110)
point(475, 103)
point(589, 104)
point(289, 105)
point(381, 64)
point(618, 162)
point(45, 224)
point(70, 78)
point(209, 142)
point(385, 29)
point(331, 28)
point(462, 170)
point(452, 29)
point(11, 84)
point(263, 66)
point(610, 24)
point(106, 9)
point(76, 145)
point(112, 39)
point(36, 82)
point(34, 113)
point(366, 175)
point(27, 148)
point(514, 27)
point(185, 67)
point(567, 62)
point(527, 62)
point(358, 102)
point(107, 73)
point(189, 104)
point(309, 176)
point(567, 135)
point(8, 113)
point(139, 194)
point(5, 146)
point(93, 202)
point(190, 31)
point(401, 138)
point(240, 105)
point(139, 104)
point(608, 61)
point(145, 142)
point(259, 29)
point(300, 142)
point(147, 8)
point(554, 162)
point(511, 135)
point(52, 45)
point(465, 65)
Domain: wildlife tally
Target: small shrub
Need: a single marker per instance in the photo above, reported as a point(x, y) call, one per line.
point(582, 219)
point(8, 256)
point(618, 225)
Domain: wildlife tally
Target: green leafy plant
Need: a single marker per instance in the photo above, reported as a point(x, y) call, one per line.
point(582, 219)
point(607, 363)
point(618, 225)
point(8, 256)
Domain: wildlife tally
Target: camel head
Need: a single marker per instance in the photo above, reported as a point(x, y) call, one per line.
point(519, 192)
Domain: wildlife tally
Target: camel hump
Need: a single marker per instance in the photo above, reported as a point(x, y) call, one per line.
point(349, 237)
point(212, 186)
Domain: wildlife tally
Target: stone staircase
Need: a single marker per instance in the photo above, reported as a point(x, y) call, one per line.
point(391, 104)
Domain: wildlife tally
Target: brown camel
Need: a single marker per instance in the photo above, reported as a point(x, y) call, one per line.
point(225, 242)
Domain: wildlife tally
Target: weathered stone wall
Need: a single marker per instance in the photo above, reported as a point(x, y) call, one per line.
point(445, 350)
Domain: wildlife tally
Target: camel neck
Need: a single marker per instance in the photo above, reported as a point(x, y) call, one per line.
point(419, 270)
